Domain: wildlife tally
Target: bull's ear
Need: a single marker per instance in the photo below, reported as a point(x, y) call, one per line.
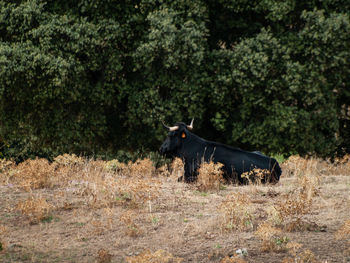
point(183, 135)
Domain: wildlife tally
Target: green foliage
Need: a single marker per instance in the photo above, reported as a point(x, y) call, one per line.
point(97, 77)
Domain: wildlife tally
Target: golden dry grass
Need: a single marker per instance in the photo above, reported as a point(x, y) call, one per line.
point(210, 177)
point(159, 256)
point(82, 210)
point(3, 234)
point(273, 239)
point(238, 213)
point(35, 209)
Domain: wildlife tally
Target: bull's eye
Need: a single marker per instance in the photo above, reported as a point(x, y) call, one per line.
point(183, 135)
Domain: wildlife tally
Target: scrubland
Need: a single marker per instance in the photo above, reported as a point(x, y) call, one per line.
point(82, 210)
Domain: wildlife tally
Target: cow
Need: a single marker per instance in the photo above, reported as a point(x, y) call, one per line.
point(194, 150)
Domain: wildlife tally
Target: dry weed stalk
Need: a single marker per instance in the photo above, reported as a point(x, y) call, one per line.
point(6, 170)
point(293, 207)
point(96, 185)
point(131, 185)
point(135, 192)
point(310, 185)
point(297, 166)
point(272, 238)
point(132, 228)
point(343, 231)
point(238, 212)
point(177, 168)
point(34, 174)
point(103, 256)
point(160, 256)
point(35, 208)
point(210, 176)
point(3, 233)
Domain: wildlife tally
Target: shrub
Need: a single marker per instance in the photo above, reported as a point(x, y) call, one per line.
point(272, 238)
point(34, 174)
point(210, 176)
point(35, 209)
point(141, 168)
point(293, 207)
point(177, 168)
point(69, 160)
point(257, 176)
point(115, 166)
point(291, 210)
point(305, 256)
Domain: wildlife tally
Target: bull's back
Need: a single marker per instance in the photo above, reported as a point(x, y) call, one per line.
point(239, 161)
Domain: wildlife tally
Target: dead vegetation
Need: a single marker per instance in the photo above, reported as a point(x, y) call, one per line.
point(160, 256)
point(273, 239)
point(3, 234)
point(35, 209)
point(238, 213)
point(210, 177)
point(78, 209)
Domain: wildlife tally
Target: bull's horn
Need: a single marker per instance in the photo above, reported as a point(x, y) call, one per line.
point(174, 128)
point(190, 127)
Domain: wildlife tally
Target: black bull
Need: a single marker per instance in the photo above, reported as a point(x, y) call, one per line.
point(194, 150)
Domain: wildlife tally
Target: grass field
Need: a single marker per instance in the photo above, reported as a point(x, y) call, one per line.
point(79, 210)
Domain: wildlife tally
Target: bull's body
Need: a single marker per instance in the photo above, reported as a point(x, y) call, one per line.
point(195, 150)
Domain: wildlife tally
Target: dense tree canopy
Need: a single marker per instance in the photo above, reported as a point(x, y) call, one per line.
point(97, 77)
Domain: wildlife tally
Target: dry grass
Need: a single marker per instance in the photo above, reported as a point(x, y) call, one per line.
point(160, 256)
point(141, 168)
point(6, 170)
point(3, 234)
point(273, 239)
point(34, 174)
point(343, 233)
point(256, 176)
point(35, 209)
point(210, 177)
point(112, 212)
point(305, 256)
point(238, 212)
point(235, 259)
point(103, 256)
point(132, 228)
point(296, 166)
point(292, 208)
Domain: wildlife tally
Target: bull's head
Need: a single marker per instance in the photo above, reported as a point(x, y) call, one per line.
point(176, 137)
